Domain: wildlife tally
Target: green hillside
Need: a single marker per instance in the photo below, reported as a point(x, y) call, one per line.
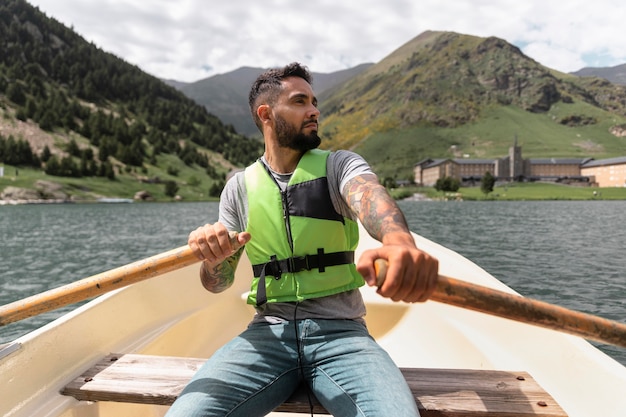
point(450, 95)
point(69, 110)
point(394, 152)
point(76, 117)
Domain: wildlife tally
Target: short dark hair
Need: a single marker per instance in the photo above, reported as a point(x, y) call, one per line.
point(268, 86)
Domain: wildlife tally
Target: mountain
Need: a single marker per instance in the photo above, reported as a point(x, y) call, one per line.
point(445, 94)
point(93, 124)
point(616, 75)
point(226, 95)
point(72, 111)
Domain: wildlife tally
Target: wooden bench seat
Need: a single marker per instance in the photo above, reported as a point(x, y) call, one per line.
point(438, 392)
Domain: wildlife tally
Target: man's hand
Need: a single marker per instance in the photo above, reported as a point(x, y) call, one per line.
point(411, 274)
point(213, 243)
point(220, 252)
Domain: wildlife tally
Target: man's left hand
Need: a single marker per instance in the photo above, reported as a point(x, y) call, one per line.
point(411, 274)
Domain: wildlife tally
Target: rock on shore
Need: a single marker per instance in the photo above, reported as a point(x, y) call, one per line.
point(44, 192)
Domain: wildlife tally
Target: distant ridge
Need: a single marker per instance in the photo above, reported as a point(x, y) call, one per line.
point(616, 74)
point(226, 95)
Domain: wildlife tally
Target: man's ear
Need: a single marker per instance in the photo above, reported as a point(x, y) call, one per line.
point(264, 112)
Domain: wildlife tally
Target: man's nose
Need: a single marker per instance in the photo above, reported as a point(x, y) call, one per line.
point(314, 112)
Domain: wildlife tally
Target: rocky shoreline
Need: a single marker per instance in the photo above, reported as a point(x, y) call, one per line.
point(418, 197)
point(48, 192)
point(45, 192)
point(38, 201)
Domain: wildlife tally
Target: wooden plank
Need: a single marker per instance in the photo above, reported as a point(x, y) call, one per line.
point(132, 378)
point(438, 392)
point(477, 393)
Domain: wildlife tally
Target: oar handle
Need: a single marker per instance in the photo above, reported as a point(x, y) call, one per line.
point(498, 303)
point(470, 296)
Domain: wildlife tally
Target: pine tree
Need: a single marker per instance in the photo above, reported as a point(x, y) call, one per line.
point(171, 188)
point(45, 154)
point(487, 183)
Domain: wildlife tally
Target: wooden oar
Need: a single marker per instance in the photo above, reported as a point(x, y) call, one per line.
point(510, 306)
point(101, 283)
point(97, 285)
point(449, 290)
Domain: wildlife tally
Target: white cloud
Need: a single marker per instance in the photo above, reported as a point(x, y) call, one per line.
point(554, 56)
point(192, 39)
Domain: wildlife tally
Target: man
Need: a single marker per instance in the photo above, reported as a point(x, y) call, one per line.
point(296, 209)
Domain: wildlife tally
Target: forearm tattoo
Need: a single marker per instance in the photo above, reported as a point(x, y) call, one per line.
point(220, 277)
point(376, 209)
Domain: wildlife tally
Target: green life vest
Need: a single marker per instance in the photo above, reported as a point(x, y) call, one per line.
point(301, 248)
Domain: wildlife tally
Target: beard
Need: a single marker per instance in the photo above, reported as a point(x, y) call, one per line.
point(290, 137)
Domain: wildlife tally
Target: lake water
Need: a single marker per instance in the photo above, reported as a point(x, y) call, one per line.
point(564, 252)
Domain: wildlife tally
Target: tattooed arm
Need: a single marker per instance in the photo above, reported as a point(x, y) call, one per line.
point(377, 210)
point(217, 278)
point(411, 274)
point(220, 253)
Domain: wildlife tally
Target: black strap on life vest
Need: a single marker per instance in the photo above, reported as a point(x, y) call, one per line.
point(276, 267)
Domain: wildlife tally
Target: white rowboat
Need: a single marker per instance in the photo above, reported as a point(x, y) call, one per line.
point(173, 315)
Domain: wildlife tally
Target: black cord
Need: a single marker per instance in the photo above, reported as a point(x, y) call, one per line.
point(300, 367)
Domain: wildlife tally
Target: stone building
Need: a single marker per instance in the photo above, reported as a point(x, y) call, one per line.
point(513, 167)
point(555, 169)
point(606, 172)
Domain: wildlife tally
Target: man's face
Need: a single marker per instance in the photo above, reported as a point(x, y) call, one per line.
point(296, 116)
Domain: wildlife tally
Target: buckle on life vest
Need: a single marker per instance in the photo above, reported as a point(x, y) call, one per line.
point(318, 261)
point(274, 267)
point(294, 264)
point(300, 263)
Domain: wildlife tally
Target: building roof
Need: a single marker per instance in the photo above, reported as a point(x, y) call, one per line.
point(430, 163)
point(557, 161)
point(435, 162)
point(603, 162)
point(463, 161)
point(424, 162)
point(582, 162)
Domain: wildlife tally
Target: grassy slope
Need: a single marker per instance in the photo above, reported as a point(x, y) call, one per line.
point(394, 153)
point(124, 186)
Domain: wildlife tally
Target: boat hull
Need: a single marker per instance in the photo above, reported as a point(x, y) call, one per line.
point(173, 315)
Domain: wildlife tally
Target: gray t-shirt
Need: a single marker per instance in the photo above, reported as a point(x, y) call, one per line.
point(341, 167)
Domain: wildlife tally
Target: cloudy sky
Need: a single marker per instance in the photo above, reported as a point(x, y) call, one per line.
point(188, 40)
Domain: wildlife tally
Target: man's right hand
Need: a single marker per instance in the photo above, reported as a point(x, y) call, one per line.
point(213, 243)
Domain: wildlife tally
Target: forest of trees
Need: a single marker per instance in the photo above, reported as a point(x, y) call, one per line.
point(55, 78)
point(17, 152)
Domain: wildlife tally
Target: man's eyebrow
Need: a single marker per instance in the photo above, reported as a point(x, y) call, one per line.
point(304, 95)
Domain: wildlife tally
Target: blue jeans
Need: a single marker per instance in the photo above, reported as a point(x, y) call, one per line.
point(349, 373)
